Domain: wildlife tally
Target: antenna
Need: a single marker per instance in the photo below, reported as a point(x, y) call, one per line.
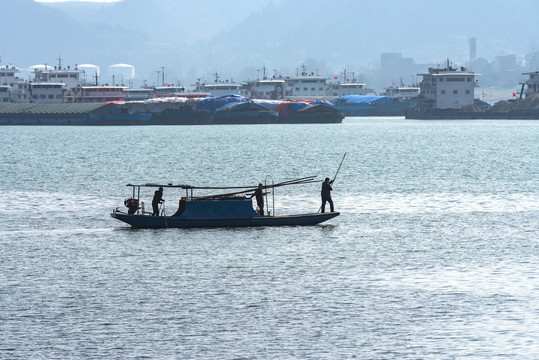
point(163, 76)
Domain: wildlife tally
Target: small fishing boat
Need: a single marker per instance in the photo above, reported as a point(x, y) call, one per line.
point(231, 209)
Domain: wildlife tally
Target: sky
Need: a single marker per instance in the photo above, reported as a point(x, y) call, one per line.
point(76, 0)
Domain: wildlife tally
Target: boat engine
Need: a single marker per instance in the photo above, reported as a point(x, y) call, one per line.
point(132, 205)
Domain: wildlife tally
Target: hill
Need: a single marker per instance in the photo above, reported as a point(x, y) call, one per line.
point(193, 39)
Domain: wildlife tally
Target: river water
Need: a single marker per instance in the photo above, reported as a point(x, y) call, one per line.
point(435, 254)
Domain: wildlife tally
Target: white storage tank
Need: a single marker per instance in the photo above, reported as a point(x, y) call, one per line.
point(121, 73)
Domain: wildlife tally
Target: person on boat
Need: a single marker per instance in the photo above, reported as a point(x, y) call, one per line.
point(326, 195)
point(157, 199)
point(259, 194)
point(132, 205)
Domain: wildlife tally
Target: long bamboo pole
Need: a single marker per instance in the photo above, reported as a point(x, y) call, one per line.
point(333, 181)
point(300, 181)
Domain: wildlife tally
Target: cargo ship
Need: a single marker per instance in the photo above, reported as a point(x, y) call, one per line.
point(70, 114)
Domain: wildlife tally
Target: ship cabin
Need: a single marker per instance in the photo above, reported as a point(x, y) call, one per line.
point(169, 91)
point(531, 85)
point(138, 94)
point(8, 76)
point(402, 92)
point(98, 94)
point(220, 89)
point(447, 88)
point(4, 94)
point(272, 89)
point(343, 89)
point(20, 93)
point(44, 93)
point(71, 78)
point(306, 87)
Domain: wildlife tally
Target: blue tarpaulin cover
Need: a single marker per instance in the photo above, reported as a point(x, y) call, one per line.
point(241, 106)
point(290, 107)
point(214, 103)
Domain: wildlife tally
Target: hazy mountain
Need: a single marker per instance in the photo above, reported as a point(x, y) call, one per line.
point(36, 33)
point(179, 21)
point(352, 31)
point(193, 39)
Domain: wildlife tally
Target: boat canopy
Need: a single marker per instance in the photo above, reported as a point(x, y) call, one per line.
point(361, 99)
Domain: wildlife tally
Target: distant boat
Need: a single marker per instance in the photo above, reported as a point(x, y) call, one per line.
point(401, 92)
point(233, 209)
point(360, 105)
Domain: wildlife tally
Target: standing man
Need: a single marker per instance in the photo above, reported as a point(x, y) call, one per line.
point(157, 199)
point(259, 199)
point(326, 195)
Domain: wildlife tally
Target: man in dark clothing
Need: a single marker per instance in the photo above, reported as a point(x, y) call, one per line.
point(259, 199)
point(157, 199)
point(326, 195)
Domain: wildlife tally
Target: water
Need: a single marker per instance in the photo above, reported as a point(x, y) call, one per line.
point(435, 254)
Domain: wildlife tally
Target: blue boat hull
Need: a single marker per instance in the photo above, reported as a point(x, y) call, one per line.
point(153, 222)
point(393, 107)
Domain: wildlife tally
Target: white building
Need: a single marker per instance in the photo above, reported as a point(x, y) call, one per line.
point(352, 88)
point(47, 93)
point(4, 94)
point(20, 93)
point(8, 76)
point(138, 94)
point(306, 86)
point(169, 91)
point(273, 89)
point(401, 92)
point(530, 86)
point(71, 78)
point(219, 89)
point(13, 89)
point(447, 88)
point(52, 84)
point(97, 94)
